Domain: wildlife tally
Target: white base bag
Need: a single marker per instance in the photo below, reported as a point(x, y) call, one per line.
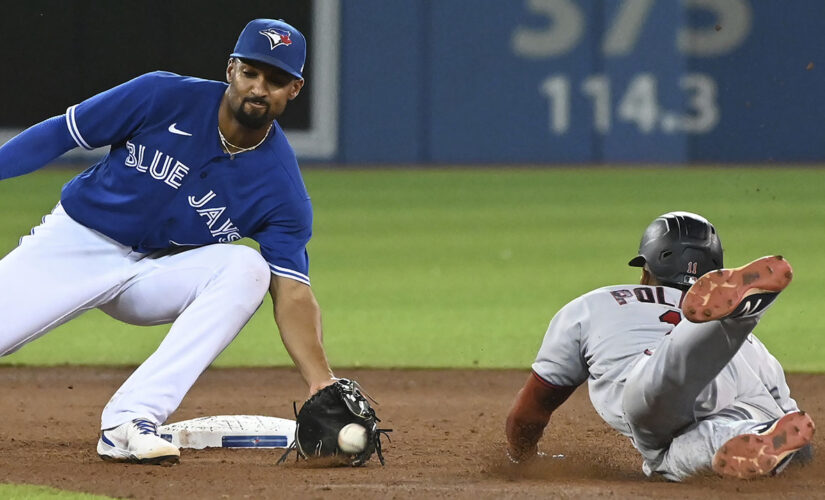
point(230, 431)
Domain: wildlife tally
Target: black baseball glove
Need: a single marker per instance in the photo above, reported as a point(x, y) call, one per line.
point(324, 415)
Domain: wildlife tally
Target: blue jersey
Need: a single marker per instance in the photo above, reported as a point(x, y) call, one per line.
point(167, 182)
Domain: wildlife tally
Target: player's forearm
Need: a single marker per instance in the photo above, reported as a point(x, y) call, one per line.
point(35, 147)
point(299, 320)
point(524, 427)
point(530, 413)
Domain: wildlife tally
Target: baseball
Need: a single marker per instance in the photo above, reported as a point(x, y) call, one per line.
point(352, 438)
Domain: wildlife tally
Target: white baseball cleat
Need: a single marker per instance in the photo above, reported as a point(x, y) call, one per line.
point(136, 442)
point(737, 293)
point(767, 451)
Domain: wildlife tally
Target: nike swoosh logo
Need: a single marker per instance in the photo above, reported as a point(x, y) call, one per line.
point(175, 130)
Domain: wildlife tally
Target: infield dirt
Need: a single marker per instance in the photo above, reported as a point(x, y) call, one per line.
point(447, 442)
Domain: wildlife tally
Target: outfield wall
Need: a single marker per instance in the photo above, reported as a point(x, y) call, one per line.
point(474, 81)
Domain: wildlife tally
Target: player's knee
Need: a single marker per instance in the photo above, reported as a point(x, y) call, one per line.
point(245, 270)
point(641, 408)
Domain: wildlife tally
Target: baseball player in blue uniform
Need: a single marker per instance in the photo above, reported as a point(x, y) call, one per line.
point(672, 362)
point(143, 234)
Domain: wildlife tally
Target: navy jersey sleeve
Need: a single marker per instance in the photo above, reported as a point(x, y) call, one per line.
point(114, 115)
point(284, 238)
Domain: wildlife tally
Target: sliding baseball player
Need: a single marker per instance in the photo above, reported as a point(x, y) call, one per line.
point(672, 362)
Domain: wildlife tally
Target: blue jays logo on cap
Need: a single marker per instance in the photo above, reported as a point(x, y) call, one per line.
point(276, 37)
point(261, 37)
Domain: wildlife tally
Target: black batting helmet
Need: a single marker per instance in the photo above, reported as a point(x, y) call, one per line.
point(679, 247)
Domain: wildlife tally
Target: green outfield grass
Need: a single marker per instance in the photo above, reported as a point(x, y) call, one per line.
point(29, 492)
point(465, 267)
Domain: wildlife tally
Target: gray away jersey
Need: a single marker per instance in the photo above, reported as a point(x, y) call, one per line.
point(600, 336)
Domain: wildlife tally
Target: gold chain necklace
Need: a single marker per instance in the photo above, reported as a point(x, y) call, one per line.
point(226, 144)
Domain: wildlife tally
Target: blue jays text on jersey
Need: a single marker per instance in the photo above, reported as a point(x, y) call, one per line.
point(165, 173)
point(167, 182)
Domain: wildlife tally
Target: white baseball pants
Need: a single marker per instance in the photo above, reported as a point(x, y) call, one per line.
point(64, 269)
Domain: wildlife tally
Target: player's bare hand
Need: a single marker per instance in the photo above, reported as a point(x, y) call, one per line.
point(317, 386)
point(523, 456)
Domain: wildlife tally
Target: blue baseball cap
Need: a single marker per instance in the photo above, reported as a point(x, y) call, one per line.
point(273, 42)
